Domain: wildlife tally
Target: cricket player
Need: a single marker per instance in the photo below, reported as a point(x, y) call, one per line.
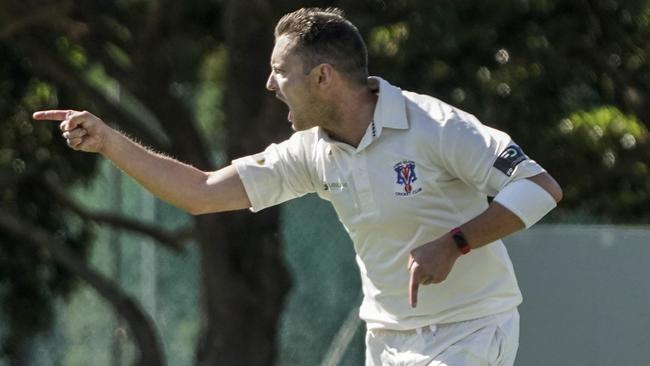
point(408, 175)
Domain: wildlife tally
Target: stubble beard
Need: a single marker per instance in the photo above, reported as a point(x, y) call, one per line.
point(319, 113)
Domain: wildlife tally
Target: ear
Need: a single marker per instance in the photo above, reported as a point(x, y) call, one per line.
point(325, 74)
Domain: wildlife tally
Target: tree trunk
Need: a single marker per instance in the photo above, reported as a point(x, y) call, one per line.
point(21, 355)
point(140, 324)
point(244, 278)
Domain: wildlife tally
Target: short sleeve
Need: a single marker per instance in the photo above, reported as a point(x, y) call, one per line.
point(483, 157)
point(276, 175)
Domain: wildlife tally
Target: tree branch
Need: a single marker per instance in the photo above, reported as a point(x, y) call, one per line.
point(36, 16)
point(50, 65)
point(10, 178)
point(168, 239)
point(139, 322)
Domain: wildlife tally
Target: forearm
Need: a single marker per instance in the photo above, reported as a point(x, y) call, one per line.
point(494, 223)
point(499, 221)
point(177, 183)
point(432, 262)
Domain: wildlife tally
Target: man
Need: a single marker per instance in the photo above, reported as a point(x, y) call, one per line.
point(408, 176)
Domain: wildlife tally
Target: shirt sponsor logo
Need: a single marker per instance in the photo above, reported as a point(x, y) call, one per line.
point(509, 159)
point(406, 178)
point(335, 186)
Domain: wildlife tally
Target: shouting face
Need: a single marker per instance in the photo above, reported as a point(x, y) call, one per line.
point(297, 89)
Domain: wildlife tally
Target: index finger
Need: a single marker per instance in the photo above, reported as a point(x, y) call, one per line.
point(414, 285)
point(51, 115)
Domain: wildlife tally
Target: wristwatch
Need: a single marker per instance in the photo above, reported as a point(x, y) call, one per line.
point(460, 240)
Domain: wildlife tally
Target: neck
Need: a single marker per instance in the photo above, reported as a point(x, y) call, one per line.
point(356, 110)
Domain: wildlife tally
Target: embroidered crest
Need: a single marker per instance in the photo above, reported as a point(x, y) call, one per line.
point(406, 178)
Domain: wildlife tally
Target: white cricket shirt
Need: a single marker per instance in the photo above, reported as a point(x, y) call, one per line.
point(422, 168)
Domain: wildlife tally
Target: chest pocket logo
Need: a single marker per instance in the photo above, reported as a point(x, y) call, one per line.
point(335, 186)
point(406, 178)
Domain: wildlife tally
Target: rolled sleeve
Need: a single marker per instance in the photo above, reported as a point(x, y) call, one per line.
point(483, 157)
point(276, 175)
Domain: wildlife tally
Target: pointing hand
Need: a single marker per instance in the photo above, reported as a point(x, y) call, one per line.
point(82, 130)
point(430, 263)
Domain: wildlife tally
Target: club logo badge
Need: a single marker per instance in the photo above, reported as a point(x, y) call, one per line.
point(406, 178)
point(509, 159)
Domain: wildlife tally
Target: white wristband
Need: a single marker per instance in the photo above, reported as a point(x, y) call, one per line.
point(527, 200)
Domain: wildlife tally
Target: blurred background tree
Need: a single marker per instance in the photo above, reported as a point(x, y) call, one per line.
point(567, 80)
point(27, 277)
point(528, 67)
point(158, 55)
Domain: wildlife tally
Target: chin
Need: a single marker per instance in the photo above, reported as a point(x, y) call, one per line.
point(301, 124)
point(298, 127)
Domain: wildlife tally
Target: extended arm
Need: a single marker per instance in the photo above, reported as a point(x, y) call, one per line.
point(432, 262)
point(180, 184)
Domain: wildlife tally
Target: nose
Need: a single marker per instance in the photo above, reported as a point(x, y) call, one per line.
point(271, 84)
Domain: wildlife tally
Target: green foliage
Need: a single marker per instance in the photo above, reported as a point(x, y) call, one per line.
point(386, 40)
point(208, 98)
point(604, 126)
point(522, 66)
point(28, 278)
point(143, 64)
point(616, 148)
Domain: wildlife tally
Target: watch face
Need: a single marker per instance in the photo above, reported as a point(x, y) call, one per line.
point(460, 240)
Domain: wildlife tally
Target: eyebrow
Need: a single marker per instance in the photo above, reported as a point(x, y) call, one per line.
point(276, 65)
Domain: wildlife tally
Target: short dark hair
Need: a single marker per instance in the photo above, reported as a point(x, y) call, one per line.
point(325, 36)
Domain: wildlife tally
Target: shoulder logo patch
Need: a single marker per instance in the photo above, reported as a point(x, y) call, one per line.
point(509, 159)
point(406, 178)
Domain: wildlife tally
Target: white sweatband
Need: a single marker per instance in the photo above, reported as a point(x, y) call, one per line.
point(527, 200)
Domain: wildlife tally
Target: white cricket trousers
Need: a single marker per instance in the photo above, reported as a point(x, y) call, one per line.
point(489, 341)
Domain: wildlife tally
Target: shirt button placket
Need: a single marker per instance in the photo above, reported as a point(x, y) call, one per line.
point(364, 190)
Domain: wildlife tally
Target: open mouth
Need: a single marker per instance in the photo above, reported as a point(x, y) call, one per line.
point(289, 117)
